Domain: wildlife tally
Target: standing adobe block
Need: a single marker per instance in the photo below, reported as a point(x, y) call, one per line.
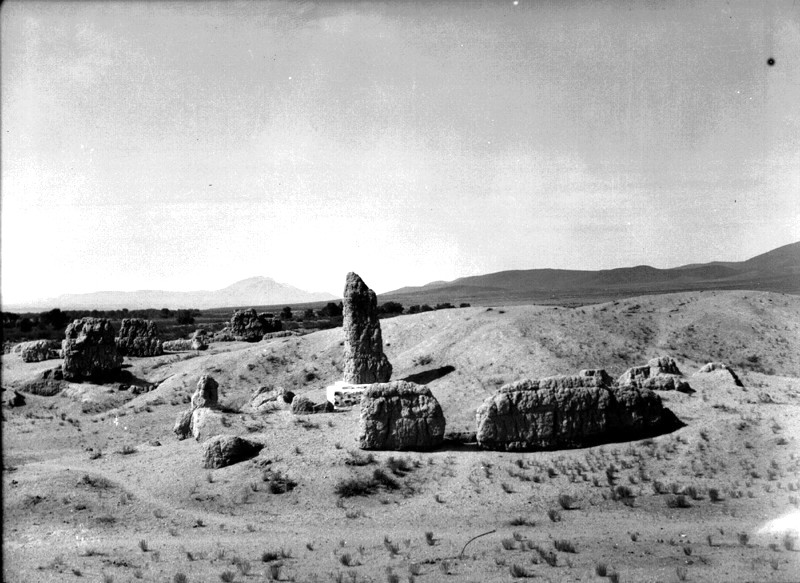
point(90, 350)
point(399, 416)
point(364, 360)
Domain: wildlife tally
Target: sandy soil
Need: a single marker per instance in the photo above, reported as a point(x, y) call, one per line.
point(145, 509)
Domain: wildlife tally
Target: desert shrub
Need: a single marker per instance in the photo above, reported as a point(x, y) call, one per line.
point(346, 559)
point(601, 569)
point(279, 483)
point(564, 546)
point(429, 539)
point(393, 548)
point(355, 487)
point(274, 571)
point(548, 557)
point(422, 360)
point(243, 565)
point(127, 450)
point(509, 544)
point(694, 493)
point(659, 487)
point(399, 466)
point(744, 538)
point(554, 515)
point(678, 501)
point(622, 493)
point(568, 502)
point(385, 480)
point(714, 495)
point(521, 521)
point(681, 572)
point(227, 576)
point(445, 567)
point(143, 545)
point(358, 459)
point(94, 482)
point(518, 572)
point(269, 556)
point(789, 541)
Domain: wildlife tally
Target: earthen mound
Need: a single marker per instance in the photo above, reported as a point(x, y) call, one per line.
point(659, 374)
point(720, 368)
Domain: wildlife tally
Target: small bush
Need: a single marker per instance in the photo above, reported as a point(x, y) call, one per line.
point(714, 495)
point(429, 538)
point(358, 459)
point(356, 487)
point(554, 515)
point(789, 541)
point(509, 544)
point(548, 557)
point(613, 576)
point(399, 467)
point(385, 480)
point(269, 556)
point(227, 576)
point(744, 538)
point(681, 572)
point(127, 450)
point(143, 545)
point(521, 521)
point(678, 501)
point(564, 546)
point(274, 571)
point(601, 569)
point(393, 548)
point(518, 572)
point(568, 502)
point(243, 565)
point(346, 559)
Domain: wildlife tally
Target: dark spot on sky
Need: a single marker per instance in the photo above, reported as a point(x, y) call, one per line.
point(770, 61)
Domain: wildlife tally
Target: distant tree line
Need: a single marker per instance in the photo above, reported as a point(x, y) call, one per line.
point(177, 323)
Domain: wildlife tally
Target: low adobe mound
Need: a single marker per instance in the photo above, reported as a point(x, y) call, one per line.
point(720, 368)
point(37, 350)
point(660, 374)
point(568, 411)
point(400, 416)
point(139, 337)
point(225, 450)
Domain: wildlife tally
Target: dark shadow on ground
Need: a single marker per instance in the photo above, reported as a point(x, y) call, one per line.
point(427, 376)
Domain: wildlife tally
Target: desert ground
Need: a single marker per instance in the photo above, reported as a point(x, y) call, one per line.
point(96, 487)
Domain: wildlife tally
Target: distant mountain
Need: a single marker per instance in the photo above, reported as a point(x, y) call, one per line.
point(255, 291)
point(776, 271)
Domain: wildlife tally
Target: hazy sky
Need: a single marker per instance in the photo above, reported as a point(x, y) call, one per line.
point(189, 145)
